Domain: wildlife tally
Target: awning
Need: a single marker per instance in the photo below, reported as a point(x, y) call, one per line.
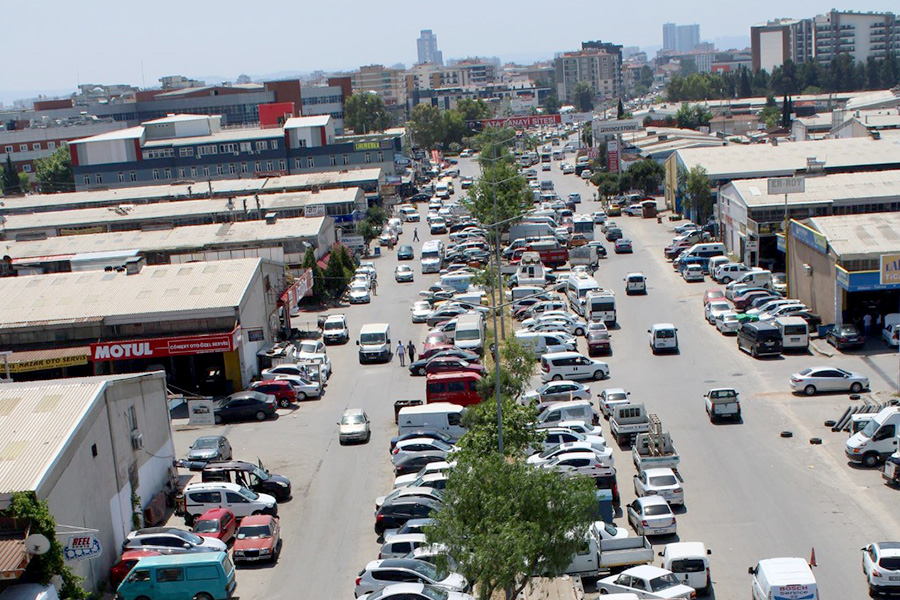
point(13, 557)
point(51, 358)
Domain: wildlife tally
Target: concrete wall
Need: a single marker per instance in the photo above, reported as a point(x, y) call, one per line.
point(817, 290)
point(259, 310)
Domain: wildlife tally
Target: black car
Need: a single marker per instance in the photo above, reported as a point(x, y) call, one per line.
point(257, 478)
point(845, 336)
point(420, 197)
point(245, 405)
point(414, 462)
point(613, 234)
point(601, 249)
point(422, 433)
point(396, 514)
point(405, 252)
point(418, 367)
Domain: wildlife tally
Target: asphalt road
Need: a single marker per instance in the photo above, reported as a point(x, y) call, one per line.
point(750, 494)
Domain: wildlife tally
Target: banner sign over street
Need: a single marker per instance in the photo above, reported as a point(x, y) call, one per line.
point(523, 122)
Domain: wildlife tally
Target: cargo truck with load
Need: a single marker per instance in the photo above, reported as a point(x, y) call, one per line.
point(654, 449)
point(599, 555)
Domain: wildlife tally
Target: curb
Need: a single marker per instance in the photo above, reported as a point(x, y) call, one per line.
point(815, 346)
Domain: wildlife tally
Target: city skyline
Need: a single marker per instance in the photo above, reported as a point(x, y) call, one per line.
point(60, 61)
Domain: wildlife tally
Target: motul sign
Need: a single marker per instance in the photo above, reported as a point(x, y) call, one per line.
point(157, 347)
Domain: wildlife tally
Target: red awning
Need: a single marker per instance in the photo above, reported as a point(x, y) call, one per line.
point(323, 262)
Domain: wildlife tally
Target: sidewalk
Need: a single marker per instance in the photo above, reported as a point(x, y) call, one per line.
point(557, 588)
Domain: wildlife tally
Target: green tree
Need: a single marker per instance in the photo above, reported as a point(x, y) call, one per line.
point(551, 103)
point(744, 90)
point(336, 279)
point(24, 182)
point(473, 110)
point(692, 116)
point(696, 192)
point(516, 370)
point(426, 126)
point(787, 107)
point(620, 110)
point(583, 96)
point(608, 184)
point(480, 420)
point(770, 114)
point(504, 521)
point(453, 127)
point(309, 262)
point(645, 175)
point(365, 112)
point(54, 173)
point(502, 184)
point(10, 180)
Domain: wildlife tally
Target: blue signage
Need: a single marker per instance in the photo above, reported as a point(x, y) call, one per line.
point(863, 281)
point(809, 237)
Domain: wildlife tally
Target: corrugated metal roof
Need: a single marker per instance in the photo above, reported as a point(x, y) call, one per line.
point(191, 237)
point(787, 158)
point(311, 121)
point(118, 134)
point(161, 211)
point(840, 188)
point(37, 420)
point(13, 558)
point(161, 290)
point(865, 236)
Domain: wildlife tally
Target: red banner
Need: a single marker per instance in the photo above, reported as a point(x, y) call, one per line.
point(529, 121)
point(158, 347)
point(612, 154)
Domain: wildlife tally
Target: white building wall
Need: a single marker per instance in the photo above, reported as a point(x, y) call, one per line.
point(105, 152)
point(771, 50)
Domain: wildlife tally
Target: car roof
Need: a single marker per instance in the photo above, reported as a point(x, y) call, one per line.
point(230, 465)
point(888, 548)
point(213, 513)
point(646, 571)
point(685, 549)
point(158, 530)
point(257, 520)
point(180, 559)
point(408, 537)
point(212, 485)
point(651, 500)
point(354, 411)
point(659, 471)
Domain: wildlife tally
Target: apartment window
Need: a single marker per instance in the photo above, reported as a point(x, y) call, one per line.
point(301, 143)
point(23, 147)
point(87, 180)
point(227, 148)
point(274, 144)
point(51, 145)
point(26, 168)
point(180, 173)
point(133, 176)
point(183, 152)
point(297, 163)
point(193, 171)
point(219, 169)
point(205, 150)
point(8, 149)
point(263, 145)
point(367, 157)
point(380, 157)
point(268, 165)
point(231, 168)
point(245, 168)
point(99, 178)
point(121, 177)
point(310, 162)
point(282, 165)
point(206, 170)
point(346, 159)
point(168, 173)
point(246, 147)
point(36, 146)
point(155, 174)
point(257, 167)
point(332, 160)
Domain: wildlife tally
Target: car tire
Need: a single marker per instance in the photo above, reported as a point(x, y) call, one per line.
point(557, 377)
point(260, 415)
point(856, 387)
point(579, 331)
point(218, 419)
point(301, 396)
point(726, 280)
point(870, 460)
point(202, 596)
point(599, 374)
point(421, 371)
point(284, 403)
point(603, 591)
point(368, 436)
point(809, 390)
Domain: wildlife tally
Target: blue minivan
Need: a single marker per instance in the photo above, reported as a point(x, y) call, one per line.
point(192, 576)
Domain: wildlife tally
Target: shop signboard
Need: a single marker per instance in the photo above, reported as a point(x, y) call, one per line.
point(889, 273)
point(314, 210)
point(160, 347)
point(200, 411)
point(82, 546)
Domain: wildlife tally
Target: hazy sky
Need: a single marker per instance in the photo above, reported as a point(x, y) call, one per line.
point(55, 44)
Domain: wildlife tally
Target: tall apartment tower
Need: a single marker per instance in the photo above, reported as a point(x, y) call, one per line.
point(428, 50)
point(861, 35)
point(670, 35)
point(680, 38)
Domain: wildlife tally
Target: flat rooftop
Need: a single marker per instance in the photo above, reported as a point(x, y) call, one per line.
point(839, 188)
point(98, 295)
point(864, 236)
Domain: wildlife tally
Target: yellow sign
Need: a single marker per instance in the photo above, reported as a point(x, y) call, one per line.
point(890, 269)
point(43, 364)
point(81, 230)
point(367, 146)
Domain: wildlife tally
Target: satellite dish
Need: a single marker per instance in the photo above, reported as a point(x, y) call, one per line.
point(37, 543)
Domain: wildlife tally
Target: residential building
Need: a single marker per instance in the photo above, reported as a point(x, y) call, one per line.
point(427, 48)
point(388, 83)
point(197, 148)
point(680, 38)
point(861, 35)
point(774, 42)
point(600, 69)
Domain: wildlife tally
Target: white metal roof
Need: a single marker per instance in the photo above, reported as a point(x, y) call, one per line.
point(176, 118)
point(118, 134)
point(227, 135)
point(191, 237)
point(37, 421)
point(312, 121)
point(156, 290)
point(170, 210)
point(840, 188)
point(864, 236)
point(788, 158)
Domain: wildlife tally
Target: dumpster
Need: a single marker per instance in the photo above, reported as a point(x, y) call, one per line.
point(403, 404)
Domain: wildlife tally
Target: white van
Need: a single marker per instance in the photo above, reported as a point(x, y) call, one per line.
point(396, 225)
point(756, 278)
point(786, 578)
point(794, 333)
point(543, 342)
point(663, 337)
point(877, 440)
point(374, 342)
point(689, 562)
point(524, 291)
point(705, 250)
point(408, 214)
point(729, 271)
point(600, 305)
point(469, 334)
point(197, 498)
point(578, 285)
point(459, 281)
point(439, 416)
point(472, 297)
point(635, 283)
point(571, 365)
point(714, 263)
point(576, 410)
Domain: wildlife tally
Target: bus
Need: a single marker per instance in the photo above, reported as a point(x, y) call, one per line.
point(583, 224)
point(546, 156)
point(577, 287)
point(432, 256)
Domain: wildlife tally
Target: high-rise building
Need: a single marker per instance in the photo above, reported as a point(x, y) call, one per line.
point(428, 50)
point(779, 40)
point(600, 68)
point(680, 38)
point(860, 35)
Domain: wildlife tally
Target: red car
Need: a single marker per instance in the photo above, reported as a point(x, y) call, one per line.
point(712, 294)
point(444, 364)
point(258, 538)
point(283, 391)
point(743, 301)
point(122, 568)
point(218, 523)
point(434, 349)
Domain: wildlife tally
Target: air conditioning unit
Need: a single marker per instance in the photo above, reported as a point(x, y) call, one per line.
point(137, 440)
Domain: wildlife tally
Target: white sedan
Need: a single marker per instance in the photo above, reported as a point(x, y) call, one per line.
point(727, 322)
point(411, 446)
point(304, 388)
point(611, 398)
point(828, 379)
point(554, 436)
point(659, 482)
point(715, 308)
point(556, 391)
point(645, 581)
point(651, 516)
point(547, 456)
point(403, 273)
point(359, 294)
point(573, 325)
point(580, 463)
point(420, 311)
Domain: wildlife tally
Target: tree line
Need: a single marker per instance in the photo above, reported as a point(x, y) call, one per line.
point(842, 74)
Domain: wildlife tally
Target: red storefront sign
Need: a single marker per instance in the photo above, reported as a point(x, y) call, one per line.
point(159, 347)
point(520, 122)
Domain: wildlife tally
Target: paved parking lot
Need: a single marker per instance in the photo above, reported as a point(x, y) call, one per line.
point(750, 494)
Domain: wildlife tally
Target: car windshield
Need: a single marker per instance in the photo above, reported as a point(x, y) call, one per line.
point(334, 325)
point(371, 338)
point(205, 443)
point(260, 474)
point(352, 420)
point(663, 480)
point(358, 288)
point(657, 510)
point(663, 582)
point(430, 592)
point(665, 333)
point(249, 494)
point(253, 531)
point(308, 347)
point(720, 306)
point(468, 334)
point(617, 396)
point(429, 570)
point(206, 526)
point(611, 529)
point(890, 563)
point(805, 371)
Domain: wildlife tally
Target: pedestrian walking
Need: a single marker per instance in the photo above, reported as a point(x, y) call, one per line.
point(411, 349)
point(415, 234)
point(374, 287)
point(401, 353)
point(867, 324)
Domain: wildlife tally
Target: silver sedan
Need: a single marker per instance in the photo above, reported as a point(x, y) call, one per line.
point(828, 379)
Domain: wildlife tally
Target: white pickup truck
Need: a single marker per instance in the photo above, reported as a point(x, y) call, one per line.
point(654, 451)
point(722, 403)
point(627, 421)
point(602, 555)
